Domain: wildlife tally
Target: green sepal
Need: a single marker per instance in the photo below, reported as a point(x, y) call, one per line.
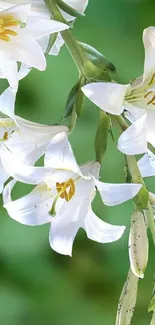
point(142, 198)
point(97, 58)
point(51, 42)
point(69, 10)
point(102, 136)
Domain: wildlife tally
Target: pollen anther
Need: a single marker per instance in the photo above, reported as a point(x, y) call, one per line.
point(66, 189)
point(152, 101)
point(152, 80)
point(5, 22)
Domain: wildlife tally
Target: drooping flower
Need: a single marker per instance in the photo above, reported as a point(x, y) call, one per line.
point(19, 40)
point(138, 98)
point(63, 196)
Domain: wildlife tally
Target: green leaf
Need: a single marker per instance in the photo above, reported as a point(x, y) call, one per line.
point(102, 136)
point(97, 58)
point(69, 10)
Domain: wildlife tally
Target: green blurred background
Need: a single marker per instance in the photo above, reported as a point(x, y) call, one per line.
point(38, 286)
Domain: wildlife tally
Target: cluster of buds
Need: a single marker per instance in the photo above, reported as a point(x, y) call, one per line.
point(63, 193)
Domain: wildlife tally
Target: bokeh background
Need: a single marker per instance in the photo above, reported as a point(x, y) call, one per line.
point(38, 286)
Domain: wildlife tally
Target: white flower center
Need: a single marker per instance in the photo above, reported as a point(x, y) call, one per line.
point(145, 94)
point(6, 22)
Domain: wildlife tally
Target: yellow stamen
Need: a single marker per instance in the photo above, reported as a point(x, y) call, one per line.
point(5, 136)
point(149, 93)
point(152, 80)
point(11, 32)
point(63, 187)
point(7, 21)
point(152, 101)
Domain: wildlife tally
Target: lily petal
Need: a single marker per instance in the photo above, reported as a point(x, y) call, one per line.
point(108, 96)
point(133, 140)
point(59, 154)
point(3, 176)
point(114, 194)
point(28, 51)
point(23, 172)
point(32, 209)
point(7, 103)
point(39, 27)
point(147, 164)
point(100, 231)
point(149, 45)
point(38, 133)
point(91, 168)
point(10, 72)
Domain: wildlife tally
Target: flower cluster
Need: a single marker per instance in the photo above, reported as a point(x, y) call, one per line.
point(64, 191)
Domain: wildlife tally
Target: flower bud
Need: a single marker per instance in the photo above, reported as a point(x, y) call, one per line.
point(97, 58)
point(138, 244)
point(127, 300)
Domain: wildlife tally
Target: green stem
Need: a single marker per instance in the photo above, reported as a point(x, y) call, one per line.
point(74, 48)
point(85, 67)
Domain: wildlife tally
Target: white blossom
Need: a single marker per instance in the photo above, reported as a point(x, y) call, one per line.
point(138, 98)
point(63, 196)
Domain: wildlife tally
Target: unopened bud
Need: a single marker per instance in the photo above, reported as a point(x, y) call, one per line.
point(138, 244)
point(127, 300)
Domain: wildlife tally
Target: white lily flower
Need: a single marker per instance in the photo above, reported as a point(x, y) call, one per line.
point(63, 196)
point(138, 98)
point(39, 9)
point(19, 40)
point(138, 244)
